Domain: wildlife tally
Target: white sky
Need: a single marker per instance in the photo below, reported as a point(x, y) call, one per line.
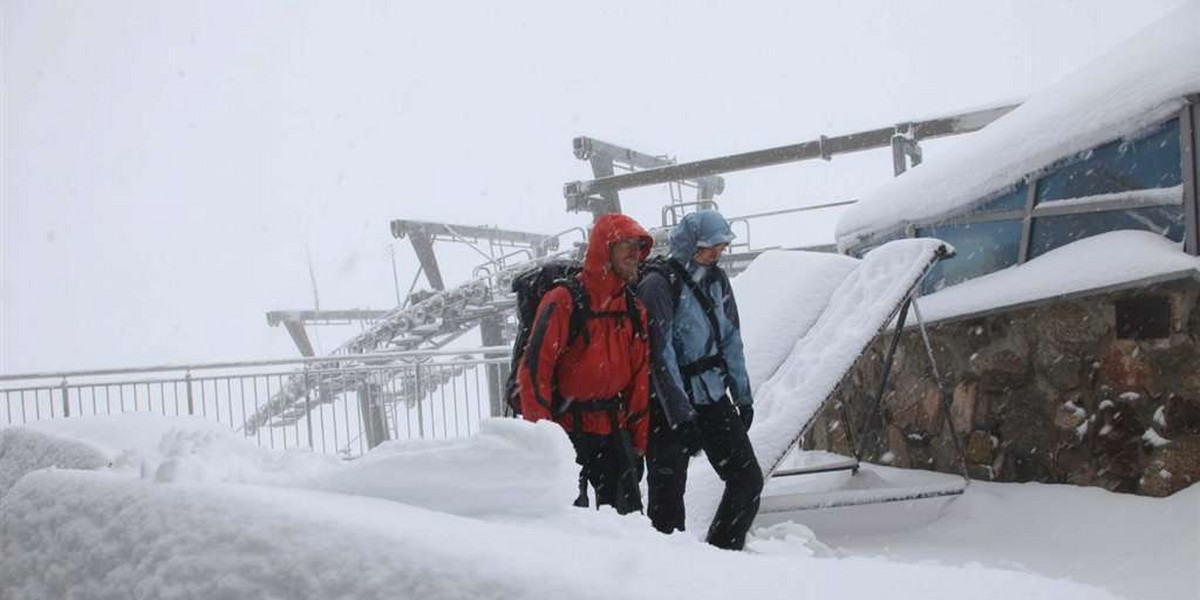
point(165, 166)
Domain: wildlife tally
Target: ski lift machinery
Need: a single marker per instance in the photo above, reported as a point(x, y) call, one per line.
point(600, 196)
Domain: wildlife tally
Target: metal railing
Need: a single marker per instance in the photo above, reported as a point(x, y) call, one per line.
point(395, 396)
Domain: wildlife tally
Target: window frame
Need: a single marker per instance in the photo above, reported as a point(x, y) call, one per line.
point(1189, 134)
point(1189, 130)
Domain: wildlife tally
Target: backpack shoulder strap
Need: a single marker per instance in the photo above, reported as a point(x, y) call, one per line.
point(581, 310)
point(727, 290)
point(669, 269)
point(635, 316)
point(706, 303)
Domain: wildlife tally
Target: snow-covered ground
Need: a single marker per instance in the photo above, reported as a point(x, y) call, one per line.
point(231, 520)
point(1132, 546)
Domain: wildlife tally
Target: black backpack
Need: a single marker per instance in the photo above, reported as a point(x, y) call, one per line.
point(533, 284)
point(677, 277)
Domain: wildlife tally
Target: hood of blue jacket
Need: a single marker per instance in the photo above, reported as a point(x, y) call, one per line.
point(701, 229)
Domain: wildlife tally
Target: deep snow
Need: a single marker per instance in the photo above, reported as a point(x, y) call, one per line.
point(121, 532)
point(116, 533)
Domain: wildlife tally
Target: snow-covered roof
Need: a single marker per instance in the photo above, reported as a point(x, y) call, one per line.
point(1139, 83)
point(1110, 259)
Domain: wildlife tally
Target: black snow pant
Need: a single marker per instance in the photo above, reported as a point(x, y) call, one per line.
point(729, 452)
point(601, 467)
point(666, 474)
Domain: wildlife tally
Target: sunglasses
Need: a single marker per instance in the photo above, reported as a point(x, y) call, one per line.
point(638, 243)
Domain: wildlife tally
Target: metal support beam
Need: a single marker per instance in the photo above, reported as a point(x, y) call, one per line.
point(402, 228)
point(491, 330)
point(294, 321)
point(423, 234)
point(904, 150)
point(883, 379)
point(587, 148)
point(323, 317)
point(846, 464)
point(422, 243)
point(300, 337)
point(610, 201)
point(1027, 222)
point(1189, 131)
point(604, 157)
point(371, 409)
point(823, 147)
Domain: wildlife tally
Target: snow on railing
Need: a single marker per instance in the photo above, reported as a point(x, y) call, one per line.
point(395, 396)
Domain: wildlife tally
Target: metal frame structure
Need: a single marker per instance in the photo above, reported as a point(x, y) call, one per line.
point(899, 316)
point(605, 158)
point(504, 247)
point(423, 234)
point(435, 320)
point(296, 320)
point(909, 133)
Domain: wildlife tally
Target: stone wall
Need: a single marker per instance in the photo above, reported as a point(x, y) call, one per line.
point(1046, 393)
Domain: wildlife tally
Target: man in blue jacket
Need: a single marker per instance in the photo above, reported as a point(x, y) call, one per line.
point(701, 392)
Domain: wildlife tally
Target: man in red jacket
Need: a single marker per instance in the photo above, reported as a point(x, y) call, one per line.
point(595, 384)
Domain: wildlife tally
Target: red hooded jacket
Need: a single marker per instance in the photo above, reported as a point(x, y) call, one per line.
point(614, 363)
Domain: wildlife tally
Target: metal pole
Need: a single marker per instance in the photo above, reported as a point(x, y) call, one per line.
point(899, 160)
point(66, 405)
point(187, 377)
point(492, 331)
point(308, 408)
point(420, 401)
point(887, 369)
point(937, 378)
point(395, 274)
point(1189, 134)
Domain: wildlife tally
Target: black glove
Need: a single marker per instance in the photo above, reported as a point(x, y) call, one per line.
point(746, 413)
point(690, 438)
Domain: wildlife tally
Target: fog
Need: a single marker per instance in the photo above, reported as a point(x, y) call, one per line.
point(167, 168)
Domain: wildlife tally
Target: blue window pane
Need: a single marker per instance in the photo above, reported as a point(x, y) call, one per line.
point(981, 248)
point(1151, 161)
point(1012, 199)
point(1049, 233)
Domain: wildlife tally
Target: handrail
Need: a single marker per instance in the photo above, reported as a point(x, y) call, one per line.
point(259, 363)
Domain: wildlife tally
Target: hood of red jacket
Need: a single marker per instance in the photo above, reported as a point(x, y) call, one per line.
point(606, 231)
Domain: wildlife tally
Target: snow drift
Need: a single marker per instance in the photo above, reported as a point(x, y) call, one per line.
point(98, 535)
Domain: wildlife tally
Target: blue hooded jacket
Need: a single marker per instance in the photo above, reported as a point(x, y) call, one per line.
point(688, 328)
